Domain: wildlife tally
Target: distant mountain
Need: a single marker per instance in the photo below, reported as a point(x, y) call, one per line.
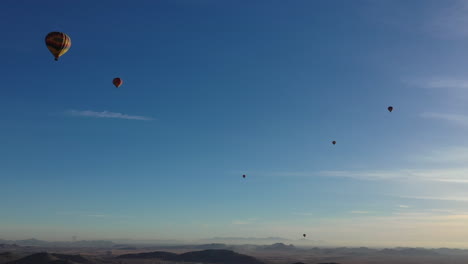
point(212, 246)
point(409, 251)
point(244, 240)
point(214, 256)
point(148, 242)
point(51, 258)
point(125, 248)
point(40, 243)
point(9, 246)
point(450, 251)
point(278, 247)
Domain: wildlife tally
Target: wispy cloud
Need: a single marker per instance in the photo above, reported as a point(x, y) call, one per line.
point(461, 120)
point(438, 175)
point(367, 175)
point(449, 155)
point(106, 114)
point(438, 198)
point(438, 82)
point(403, 206)
point(98, 215)
point(446, 174)
point(359, 212)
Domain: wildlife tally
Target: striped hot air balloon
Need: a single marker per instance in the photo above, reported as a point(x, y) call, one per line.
point(58, 43)
point(117, 82)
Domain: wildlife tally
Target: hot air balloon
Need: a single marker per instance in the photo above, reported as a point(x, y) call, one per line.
point(243, 176)
point(333, 142)
point(304, 235)
point(390, 108)
point(117, 82)
point(58, 43)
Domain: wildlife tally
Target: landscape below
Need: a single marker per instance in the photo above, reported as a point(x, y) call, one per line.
point(34, 251)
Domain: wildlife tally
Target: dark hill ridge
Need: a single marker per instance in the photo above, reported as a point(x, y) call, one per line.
point(214, 256)
point(318, 263)
point(151, 255)
point(8, 256)
point(52, 258)
point(218, 256)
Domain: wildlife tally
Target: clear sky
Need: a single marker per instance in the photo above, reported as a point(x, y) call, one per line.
point(216, 89)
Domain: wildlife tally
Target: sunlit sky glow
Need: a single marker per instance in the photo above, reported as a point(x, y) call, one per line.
point(216, 89)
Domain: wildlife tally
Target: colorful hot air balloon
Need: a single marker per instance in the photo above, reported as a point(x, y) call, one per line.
point(390, 108)
point(58, 43)
point(117, 82)
point(333, 142)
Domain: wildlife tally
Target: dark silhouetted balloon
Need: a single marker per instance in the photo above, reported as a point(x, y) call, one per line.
point(390, 108)
point(304, 235)
point(117, 82)
point(243, 176)
point(333, 142)
point(58, 43)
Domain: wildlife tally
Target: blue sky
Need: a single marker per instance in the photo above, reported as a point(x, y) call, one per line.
point(216, 89)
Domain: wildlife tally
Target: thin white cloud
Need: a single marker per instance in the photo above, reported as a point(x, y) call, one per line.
point(106, 114)
point(437, 82)
point(403, 206)
point(447, 83)
point(438, 175)
point(461, 120)
point(445, 174)
point(438, 198)
point(450, 155)
point(446, 211)
point(359, 212)
point(98, 215)
point(367, 175)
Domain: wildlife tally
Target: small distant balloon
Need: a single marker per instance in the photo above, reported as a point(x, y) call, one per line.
point(333, 142)
point(243, 176)
point(117, 82)
point(58, 43)
point(304, 235)
point(390, 108)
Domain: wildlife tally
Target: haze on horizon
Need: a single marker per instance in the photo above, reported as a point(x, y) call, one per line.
point(214, 90)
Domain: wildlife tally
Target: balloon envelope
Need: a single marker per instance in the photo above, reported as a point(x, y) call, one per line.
point(333, 142)
point(58, 43)
point(390, 108)
point(117, 82)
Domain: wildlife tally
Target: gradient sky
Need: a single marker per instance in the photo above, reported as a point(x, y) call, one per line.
point(216, 89)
